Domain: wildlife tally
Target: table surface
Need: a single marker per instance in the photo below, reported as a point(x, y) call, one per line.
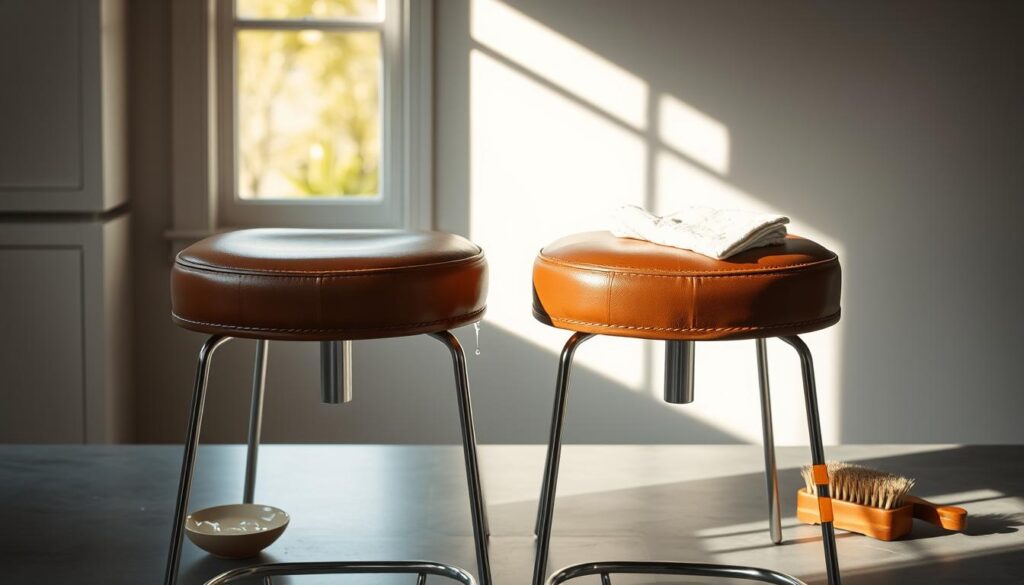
point(92, 515)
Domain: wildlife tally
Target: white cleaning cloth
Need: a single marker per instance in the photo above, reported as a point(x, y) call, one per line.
point(718, 233)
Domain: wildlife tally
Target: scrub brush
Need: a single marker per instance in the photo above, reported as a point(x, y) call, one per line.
point(872, 502)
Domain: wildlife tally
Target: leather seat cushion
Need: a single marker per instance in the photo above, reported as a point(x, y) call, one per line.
point(302, 284)
point(598, 283)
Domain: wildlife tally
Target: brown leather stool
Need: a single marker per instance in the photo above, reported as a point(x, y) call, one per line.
point(598, 284)
point(331, 286)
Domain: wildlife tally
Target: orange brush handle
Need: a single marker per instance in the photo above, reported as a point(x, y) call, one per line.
point(948, 517)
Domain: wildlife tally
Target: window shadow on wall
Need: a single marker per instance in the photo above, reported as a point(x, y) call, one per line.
point(876, 129)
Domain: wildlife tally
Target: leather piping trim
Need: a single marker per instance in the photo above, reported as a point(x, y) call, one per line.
point(656, 272)
point(554, 320)
point(455, 319)
point(204, 272)
point(187, 263)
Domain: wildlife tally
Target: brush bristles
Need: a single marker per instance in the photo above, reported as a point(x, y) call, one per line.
point(862, 485)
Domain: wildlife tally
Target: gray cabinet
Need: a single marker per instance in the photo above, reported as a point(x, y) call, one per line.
point(65, 326)
point(42, 359)
point(62, 119)
point(64, 272)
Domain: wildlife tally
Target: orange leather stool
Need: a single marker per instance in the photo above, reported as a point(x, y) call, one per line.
point(597, 284)
point(331, 286)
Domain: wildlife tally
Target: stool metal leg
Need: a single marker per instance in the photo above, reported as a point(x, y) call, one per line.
point(771, 471)
point(828, 533)
point(546, 508)
point(558, 407)
point(188, 461)
point(476, 498)
point(607, 568)
point(419, 568)
point(259, 384)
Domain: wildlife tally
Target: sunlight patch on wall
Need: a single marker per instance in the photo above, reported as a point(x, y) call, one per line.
point(533, 182)
point(560, 60)
point(693, 133)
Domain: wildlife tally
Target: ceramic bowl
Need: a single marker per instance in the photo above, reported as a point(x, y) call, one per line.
point(236, 531)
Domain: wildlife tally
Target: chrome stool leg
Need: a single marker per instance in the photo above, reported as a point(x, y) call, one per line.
point(259, 385)
point(607, 569)
point(771, 471)
point(828, 533)
point(547, 501)
point(477, 508)
point(419, 568)
point(189, 460)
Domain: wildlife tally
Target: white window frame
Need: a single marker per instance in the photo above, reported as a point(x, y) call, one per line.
point(203, 193)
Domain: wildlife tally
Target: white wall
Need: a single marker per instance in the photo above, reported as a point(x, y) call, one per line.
point(892, 132)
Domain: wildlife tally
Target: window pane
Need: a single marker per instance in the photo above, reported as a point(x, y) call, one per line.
point(308, 114)
point(308, 8)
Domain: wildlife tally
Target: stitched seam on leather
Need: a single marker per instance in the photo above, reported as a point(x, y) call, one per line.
point(298, 275)
point(657, 272)
point(697, 277)
point(742, 328)
point(368, 327)
point(187, 263)
point(776, 274)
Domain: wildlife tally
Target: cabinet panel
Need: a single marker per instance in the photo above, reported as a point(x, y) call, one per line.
point(62, 108)
point(41, 100)
point(41, 345)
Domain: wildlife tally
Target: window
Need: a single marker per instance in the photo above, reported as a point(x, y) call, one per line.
point(322, 117)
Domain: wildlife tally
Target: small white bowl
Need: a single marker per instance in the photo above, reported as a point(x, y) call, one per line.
point(236, 531)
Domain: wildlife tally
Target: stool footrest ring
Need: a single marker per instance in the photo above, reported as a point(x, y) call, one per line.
point(606, 568)
point(419, 568)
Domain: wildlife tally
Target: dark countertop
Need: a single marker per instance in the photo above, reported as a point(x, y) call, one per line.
point(101, 515)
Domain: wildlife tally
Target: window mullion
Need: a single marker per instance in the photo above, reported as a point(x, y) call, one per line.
point(307, 24)
point(226, 102)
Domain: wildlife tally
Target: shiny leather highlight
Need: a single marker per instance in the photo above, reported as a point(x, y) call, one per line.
point(315, 285)
point(598, 283)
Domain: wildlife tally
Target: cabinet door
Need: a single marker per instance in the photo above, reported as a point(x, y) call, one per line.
point(61, 105)
point(40, 105)
point(42, 388)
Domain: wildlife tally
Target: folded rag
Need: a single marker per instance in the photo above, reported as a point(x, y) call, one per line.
point(718, 233)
